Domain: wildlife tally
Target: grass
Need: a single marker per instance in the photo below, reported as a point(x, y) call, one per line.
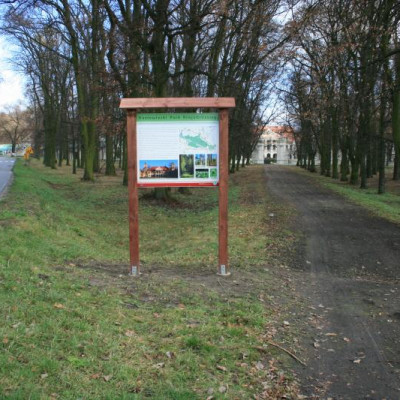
point(74, 325)
point(385, 205)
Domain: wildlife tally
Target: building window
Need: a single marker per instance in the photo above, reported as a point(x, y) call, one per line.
point(275, 156)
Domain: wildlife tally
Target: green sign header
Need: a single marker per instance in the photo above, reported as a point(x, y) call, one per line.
point(178, 117)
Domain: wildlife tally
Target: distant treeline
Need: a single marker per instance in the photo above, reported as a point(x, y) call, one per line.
point(344, 96)
point(82, 56)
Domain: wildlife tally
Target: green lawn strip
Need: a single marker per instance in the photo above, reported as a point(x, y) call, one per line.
point(71, 332)
point(385, 205)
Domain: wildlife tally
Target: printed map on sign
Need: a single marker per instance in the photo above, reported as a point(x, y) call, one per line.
point(192, 140)
point(178, 149)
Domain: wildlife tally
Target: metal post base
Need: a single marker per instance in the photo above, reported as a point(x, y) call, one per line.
point(134, 271)
point(222, 271)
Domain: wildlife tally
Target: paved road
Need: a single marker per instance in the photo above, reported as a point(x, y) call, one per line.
point(351, 280)
point(6, 165)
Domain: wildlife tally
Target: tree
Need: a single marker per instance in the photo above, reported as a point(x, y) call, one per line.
point(15, 126)
point(340, 79)
point(83, 55)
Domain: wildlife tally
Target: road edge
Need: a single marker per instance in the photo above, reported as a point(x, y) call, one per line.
point(7, 186)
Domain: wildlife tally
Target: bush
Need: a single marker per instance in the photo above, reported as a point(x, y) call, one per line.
point(269, 160)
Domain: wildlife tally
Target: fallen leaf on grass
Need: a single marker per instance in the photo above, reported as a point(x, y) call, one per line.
point(5, 340)
point(159, 365)
point(222, 389)
point(260, 365)
point(129, 333)
point(330, 334)
point(222, 368)
point(107, 378)
point(44, 376)
point(181, 306)
point(58, 306)
point(346, 339)
point(316, 345)
point(357, 361)
point(170, 354)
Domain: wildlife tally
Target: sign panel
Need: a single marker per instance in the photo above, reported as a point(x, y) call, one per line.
point(179, 149)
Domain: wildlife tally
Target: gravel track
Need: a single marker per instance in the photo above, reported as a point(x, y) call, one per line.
point(350, 263)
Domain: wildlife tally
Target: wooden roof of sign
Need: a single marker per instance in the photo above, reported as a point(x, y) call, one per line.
point(177, 102)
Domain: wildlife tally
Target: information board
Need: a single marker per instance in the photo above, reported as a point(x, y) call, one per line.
point(180, 149)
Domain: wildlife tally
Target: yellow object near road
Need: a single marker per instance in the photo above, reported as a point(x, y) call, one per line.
point(28, 152)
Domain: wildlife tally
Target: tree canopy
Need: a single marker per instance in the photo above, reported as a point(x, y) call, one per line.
point(336, 62)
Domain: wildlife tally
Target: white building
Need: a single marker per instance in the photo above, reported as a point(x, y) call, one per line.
point(276, 143)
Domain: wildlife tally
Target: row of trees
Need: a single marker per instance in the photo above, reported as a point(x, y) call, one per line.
point(344, 92)
point(82, 56)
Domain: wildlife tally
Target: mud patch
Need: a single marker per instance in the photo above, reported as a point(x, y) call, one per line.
point(239, 284)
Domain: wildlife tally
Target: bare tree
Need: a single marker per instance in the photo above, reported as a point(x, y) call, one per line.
point(15, 126)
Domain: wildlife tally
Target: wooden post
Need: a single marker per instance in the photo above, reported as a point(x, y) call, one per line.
point(133, 194)
point(223, 268)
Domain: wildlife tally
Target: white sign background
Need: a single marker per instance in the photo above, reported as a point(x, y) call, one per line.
point(168, 144)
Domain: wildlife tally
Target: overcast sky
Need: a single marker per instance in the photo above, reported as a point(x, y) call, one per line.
point(11, 83)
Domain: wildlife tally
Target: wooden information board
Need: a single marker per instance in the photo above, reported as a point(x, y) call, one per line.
point(177, 150)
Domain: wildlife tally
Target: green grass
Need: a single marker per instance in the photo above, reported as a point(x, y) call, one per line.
point(385, 205)
point(74, 325)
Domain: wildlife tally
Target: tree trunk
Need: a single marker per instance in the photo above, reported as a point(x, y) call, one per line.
point(344, 166)
point(363, 172)
point(354, 171)
point(110, 166)
point(381, 185)
point(396, 168)
point(396, 122)
point(74, 154)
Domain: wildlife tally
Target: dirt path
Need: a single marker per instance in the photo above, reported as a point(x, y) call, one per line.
point(351, 269)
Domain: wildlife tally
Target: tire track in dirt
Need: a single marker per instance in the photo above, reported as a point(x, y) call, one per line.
point(351, 263)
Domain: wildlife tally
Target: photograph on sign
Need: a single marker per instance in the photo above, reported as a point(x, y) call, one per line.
point(158, 169)
point(180, 149)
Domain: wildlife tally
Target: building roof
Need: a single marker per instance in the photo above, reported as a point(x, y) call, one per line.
point(278, 132)
point(158, 168)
